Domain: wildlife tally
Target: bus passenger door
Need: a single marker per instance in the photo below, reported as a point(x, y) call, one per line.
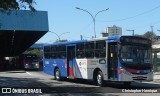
point(70, 61)
point(112, 61)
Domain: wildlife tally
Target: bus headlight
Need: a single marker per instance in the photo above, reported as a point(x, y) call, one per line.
point(37, 65)
point(26, 66)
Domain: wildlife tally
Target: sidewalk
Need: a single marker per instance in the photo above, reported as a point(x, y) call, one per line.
point(156, 77)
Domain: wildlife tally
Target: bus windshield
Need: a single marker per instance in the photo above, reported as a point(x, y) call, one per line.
point(32, 58)
point(130, 54)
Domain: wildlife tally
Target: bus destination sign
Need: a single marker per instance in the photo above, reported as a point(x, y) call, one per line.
point(139, 40)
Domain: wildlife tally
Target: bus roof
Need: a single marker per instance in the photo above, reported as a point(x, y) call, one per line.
point(109, 39)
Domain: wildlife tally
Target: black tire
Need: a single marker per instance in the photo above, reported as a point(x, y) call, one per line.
point(99, 79)
point(57, 74)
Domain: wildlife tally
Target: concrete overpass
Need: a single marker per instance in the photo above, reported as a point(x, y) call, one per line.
point(21, 29)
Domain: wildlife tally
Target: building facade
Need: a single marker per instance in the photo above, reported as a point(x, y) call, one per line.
point(114, 31)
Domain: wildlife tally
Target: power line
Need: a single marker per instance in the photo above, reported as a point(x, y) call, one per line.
point(86, 27)
point(82, 30)
point(123, 19)
point(146, 25)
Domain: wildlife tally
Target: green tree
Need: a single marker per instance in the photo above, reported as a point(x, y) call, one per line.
point(150, 35)
point(37, 52)
point(7, 5)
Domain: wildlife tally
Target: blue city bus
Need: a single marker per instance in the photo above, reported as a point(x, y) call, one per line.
point(113, 58)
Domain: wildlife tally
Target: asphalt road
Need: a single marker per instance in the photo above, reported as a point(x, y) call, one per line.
point(47, 84)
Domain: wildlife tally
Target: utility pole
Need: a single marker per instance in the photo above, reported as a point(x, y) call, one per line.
point(158, 36)
point(81, 37)
point(152, 29)
point(131, 30)
point(152, 32)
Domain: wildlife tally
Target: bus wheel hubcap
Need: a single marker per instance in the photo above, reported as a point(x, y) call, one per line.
point(99, 79)
point(57, 74)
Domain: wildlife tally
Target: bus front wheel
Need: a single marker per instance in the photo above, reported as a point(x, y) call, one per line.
point(57, 74)
point(99, 79)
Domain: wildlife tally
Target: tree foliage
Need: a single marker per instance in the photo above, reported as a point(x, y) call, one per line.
point(7, 5)
point(150, 35)
point(37, 52)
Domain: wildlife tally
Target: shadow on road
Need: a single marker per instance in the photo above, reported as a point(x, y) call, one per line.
point(118, 85)
point(78, 87)
point(134, 85)
point(20, 82)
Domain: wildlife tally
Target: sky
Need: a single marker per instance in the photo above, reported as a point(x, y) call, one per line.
point(69, 23)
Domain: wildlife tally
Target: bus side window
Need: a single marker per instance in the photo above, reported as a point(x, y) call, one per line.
point(89, 50)
point(62, 51)
point(47, 51)
point(80, 50)
point(47, 55)
point(100, 50)
point(53, 52)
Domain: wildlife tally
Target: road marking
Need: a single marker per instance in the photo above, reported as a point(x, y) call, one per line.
point(28, 73)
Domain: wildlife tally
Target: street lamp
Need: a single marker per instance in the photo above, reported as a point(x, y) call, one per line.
point(93, 17)
point(58, 35)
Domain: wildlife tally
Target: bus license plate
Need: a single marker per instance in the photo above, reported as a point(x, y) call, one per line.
point(140, 77)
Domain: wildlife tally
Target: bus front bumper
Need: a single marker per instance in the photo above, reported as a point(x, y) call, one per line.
point(136, 77)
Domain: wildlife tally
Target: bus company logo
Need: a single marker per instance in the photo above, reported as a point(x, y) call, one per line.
point(82, 63)
point(6, 90)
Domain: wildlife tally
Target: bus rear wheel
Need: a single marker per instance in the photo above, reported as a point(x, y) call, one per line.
point(57, 74)
point(99, 79)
